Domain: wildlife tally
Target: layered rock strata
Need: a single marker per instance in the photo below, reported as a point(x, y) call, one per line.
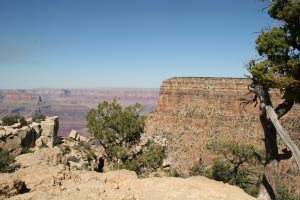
point(194, 112)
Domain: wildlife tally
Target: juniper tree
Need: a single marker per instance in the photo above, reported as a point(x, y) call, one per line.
point(279, 68)
point(116, 128)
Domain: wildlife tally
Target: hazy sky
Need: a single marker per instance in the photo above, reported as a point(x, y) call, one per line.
point(124, 43)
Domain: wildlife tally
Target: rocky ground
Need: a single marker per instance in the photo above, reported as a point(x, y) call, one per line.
point(43, 175)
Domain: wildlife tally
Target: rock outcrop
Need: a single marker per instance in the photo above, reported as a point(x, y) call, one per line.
point(194, 112)
point(14, 139)
point(44, 176)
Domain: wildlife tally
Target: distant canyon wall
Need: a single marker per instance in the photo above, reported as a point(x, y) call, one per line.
point(71, 105)
point(194, 112)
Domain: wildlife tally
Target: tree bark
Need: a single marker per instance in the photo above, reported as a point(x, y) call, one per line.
point(283, 134)
point(268, 185)
point(271, 126)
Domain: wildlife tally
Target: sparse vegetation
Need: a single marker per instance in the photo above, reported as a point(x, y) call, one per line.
point(43, 146)
point(237, 164)
point(283, 193)
point(26, 150)
point(12, 119)
point(6, 159)
point(38, 118)
point(150, 158)
point(198, 169)
point(176, 173)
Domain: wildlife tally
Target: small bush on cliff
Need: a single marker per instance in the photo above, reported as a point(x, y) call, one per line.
point(237, 165)
point(38, 118)
point(150, 158)
point(283, 193)
point(6, 159)
point(11, 120)
point(198, 169)
point(119, 130)
point(176, 173)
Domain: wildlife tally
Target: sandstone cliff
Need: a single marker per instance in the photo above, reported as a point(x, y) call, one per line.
point(193, 112)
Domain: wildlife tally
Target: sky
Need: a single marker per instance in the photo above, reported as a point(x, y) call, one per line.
point(124, 43)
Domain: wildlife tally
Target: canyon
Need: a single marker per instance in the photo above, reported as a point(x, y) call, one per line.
point(193, 113)
point(70, 105)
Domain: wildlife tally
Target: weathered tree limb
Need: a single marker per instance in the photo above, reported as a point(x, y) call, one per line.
point(283, 134)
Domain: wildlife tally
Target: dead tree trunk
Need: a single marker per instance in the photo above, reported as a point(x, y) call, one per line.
point(271, 126)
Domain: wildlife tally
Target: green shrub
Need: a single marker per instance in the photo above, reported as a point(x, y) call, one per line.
point(26, 150)
point(6, 159)
point(38, 118)
point(238, 164)
point(283, 193)
point(151, 158)
point(11, 120)
point(176, 173)
point(43, 146)
point(221, 171)
point(198, 169)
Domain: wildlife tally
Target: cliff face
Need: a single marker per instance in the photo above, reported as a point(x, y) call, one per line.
point(194, 112)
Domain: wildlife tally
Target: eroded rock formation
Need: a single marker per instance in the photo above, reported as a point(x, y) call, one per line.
point(14, 139)
point(193, 112)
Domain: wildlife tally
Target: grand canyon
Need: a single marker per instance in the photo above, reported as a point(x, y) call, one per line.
point(189, 113)
point(71, 105)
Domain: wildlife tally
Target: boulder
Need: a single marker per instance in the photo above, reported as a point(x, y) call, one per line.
point(43, 140)
point(2, 132)
point(16, 139)
point(37, 127)
point(82, 138)
point(29, 120)
point(16, 125)
point(49, 128)
point(73, 134)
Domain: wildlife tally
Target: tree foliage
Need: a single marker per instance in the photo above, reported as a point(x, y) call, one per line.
point(38, 117)
point(150, 158)
point(119, 130)
point(279, 68)
point(237, 164)
point(6, 159)
point(116, 128)
point(280, 51)
point(12, 119)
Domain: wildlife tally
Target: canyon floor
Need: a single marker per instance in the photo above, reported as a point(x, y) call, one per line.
point(46, 178)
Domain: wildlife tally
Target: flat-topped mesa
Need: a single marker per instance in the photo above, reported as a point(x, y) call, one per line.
point(221, 92)
point(193, 112)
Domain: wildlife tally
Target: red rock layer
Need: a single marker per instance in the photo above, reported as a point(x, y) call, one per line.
point(194, 112)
